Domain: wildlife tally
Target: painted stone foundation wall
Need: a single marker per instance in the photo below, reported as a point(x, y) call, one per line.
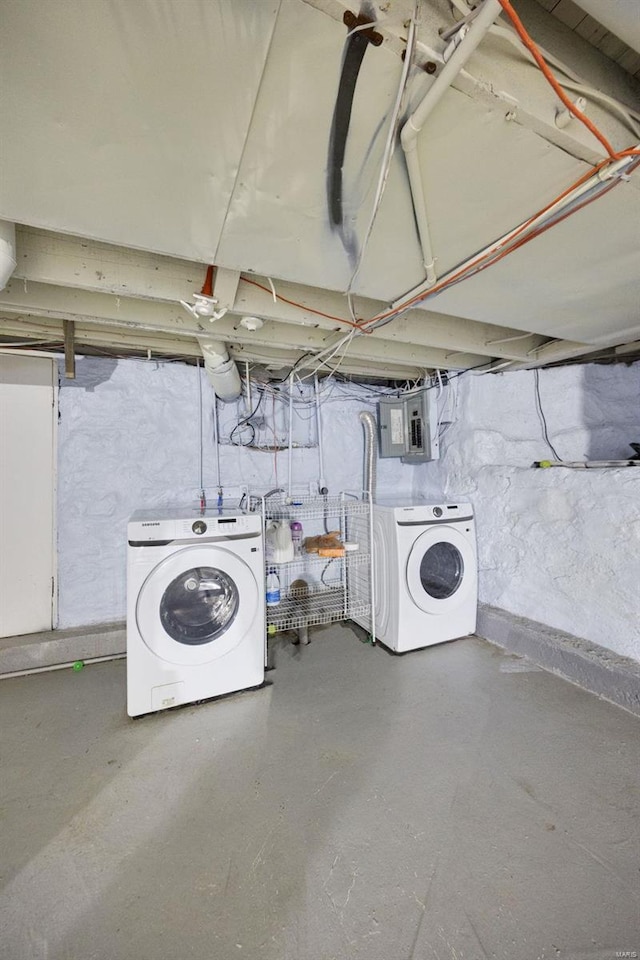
point(129, 438)
point(558, 546)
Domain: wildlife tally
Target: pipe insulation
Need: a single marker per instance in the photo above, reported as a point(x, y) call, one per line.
point(221, 370)
point(7, 251)
point(370, 453)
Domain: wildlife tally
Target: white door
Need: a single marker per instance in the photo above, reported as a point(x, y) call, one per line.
point(27, 451)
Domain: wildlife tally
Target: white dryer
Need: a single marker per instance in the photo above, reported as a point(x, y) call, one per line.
point(195, 606)
point(426, 573)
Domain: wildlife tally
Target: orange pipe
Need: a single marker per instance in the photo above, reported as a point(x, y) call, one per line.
point(207, 286)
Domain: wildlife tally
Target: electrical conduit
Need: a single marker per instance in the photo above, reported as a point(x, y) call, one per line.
point(322, 486)
point(409, 136)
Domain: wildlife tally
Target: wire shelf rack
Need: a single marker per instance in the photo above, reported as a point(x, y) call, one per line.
point(315, 589)
point(326, 606)
point(313, 507)
point(311, 561)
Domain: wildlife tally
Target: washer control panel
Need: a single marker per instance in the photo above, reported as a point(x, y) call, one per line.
point(193, 527)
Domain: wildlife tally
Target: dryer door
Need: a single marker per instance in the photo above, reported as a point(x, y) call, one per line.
point(441, 570)
point(197, 605)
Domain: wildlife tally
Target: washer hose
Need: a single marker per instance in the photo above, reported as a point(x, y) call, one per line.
point(370, 453)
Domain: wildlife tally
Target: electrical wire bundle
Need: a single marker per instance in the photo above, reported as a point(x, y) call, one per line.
point(591, 186)
point(245, 423)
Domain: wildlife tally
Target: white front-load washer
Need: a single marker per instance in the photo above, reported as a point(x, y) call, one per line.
point(426, 573)
point(195, 606)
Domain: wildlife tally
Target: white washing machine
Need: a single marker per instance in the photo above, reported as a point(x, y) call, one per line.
point(195, 606)
point(426, 573)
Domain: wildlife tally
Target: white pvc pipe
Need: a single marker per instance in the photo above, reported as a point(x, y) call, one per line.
point(321, 484)
point(290, 465)
point(420, 209)
point(607, 173)
point(221, 370)
point(248, 379)
point(477, 30)
point(216, 440)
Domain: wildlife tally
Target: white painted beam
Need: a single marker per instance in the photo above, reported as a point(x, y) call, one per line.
point(633, 347)
point(44, 300)
point(420, 327)
point(45, 257)
point(49, 330)
point(67, 261)
point(559, 350)
point(225, 287)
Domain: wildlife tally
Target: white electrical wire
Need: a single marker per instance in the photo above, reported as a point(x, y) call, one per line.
point(216, 440)
point(351, 307)
point(390, 142)
point(331, 350)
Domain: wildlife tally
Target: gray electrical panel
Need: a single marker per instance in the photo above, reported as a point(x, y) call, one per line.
point(408, 427)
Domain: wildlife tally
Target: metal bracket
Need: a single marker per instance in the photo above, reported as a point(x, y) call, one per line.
point(351, 21)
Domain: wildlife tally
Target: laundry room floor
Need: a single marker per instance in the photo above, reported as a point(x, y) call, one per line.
point(451, 804)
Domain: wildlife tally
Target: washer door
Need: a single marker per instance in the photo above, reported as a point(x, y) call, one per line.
point(441, 570)
point(197, 605)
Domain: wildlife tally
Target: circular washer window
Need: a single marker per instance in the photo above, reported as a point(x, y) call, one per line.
point(441, 570)
point(199, 605)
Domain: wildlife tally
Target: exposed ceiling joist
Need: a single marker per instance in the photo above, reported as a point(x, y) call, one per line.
point(51, 331)
point(420, 327)
point(114, 339)
point(44, 300)
point(71, 262)
point(262, 202)
point(558, 351)
point(625, 348)
point(225, 287)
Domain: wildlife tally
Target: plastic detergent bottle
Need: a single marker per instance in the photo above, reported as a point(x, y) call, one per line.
point(278, 542)
point(296, 536)
point(273, 589)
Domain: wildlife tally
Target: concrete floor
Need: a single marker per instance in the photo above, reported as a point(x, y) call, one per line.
point(453, 803)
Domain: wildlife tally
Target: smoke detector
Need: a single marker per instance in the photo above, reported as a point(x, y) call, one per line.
point(251, 323)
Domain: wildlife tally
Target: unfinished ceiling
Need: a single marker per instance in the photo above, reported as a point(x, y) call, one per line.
point(604, 25)
point(145, 141)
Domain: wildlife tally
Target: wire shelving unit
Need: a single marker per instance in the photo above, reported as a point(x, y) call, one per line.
point(316, 589)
